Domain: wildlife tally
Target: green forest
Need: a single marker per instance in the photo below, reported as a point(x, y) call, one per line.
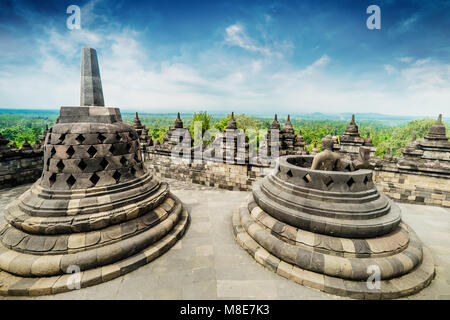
point(18, 125)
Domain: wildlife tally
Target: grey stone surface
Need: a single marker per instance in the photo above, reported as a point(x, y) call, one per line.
point(91, 84)
point(208, 264)
point(7, 195)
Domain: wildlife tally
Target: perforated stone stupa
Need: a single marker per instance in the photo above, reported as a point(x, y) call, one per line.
point(95, 209)
point(145, 140)
point(287, 138)
point(230, 146)
point(351, 141)
point(178, 141)
point(330, 229)
point(431, 155)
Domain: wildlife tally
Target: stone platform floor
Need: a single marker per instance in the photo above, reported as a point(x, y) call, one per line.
point(208, 264)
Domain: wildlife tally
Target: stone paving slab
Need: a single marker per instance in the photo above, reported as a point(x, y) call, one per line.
point(208, 264)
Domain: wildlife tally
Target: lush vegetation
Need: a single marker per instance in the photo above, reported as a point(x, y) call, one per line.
point(20, 125)
point(400, 136)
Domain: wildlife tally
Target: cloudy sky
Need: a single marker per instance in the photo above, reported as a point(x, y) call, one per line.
point(255, 56)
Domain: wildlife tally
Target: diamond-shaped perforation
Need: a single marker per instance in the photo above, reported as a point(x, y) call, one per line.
point(104, 164)
point(112, 149)
point(307, 178)
point(60, 165)
point(350, 182)
point(123, 160)
point(118, 137)
point(52, 179)
point(53, 151)
point(101, 138)
point(80, 138)
point(289, 173)
point(366, 180)
point(82, 165)
point(128, 147)
point(92, 151)
point(48, 163)
point(62, 137)
point(70, 151)
point(71, 181)
point(117, 175)
point(328, 181)
point(94, 178)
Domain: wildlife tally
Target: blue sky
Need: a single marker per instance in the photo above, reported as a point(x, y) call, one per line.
point(257, 57)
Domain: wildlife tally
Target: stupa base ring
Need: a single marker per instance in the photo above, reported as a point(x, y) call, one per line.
point(11, 285)
point(405, 285)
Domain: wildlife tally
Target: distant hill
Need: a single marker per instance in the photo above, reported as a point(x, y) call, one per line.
point(358, 116)
point(281, 115)
point(28, 111)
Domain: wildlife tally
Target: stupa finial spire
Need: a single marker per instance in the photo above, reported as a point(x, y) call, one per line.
point(178, 122)
point(231, 124)
point(91, 84)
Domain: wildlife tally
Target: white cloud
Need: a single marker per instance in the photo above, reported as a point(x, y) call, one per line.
point(236, 36)
point(421, 62)
point(405, 59)
point(321, 62)
point(390, 69)
point(409, 22)
point(133, 80)
point(405, 25)
point(426, 75)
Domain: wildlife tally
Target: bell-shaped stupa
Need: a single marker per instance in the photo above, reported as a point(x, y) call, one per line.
point(437, 131)
point(96, 213)
point(321, 223)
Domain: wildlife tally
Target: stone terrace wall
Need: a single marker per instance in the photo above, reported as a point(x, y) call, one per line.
point(209, 173)
point(19, 167)
point(414, 188)
point(403, 187)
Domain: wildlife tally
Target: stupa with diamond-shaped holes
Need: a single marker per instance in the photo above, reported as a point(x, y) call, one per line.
point(95, 209)
point(321, 222)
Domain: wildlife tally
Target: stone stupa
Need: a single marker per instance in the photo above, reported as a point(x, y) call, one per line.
point(350, 142)
point(330, 229)
point(178, 141)
point(273, 139)
point(144, 138)
point(434, 147)
point(287, 138)
point(230, 146)
point(96, 213)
